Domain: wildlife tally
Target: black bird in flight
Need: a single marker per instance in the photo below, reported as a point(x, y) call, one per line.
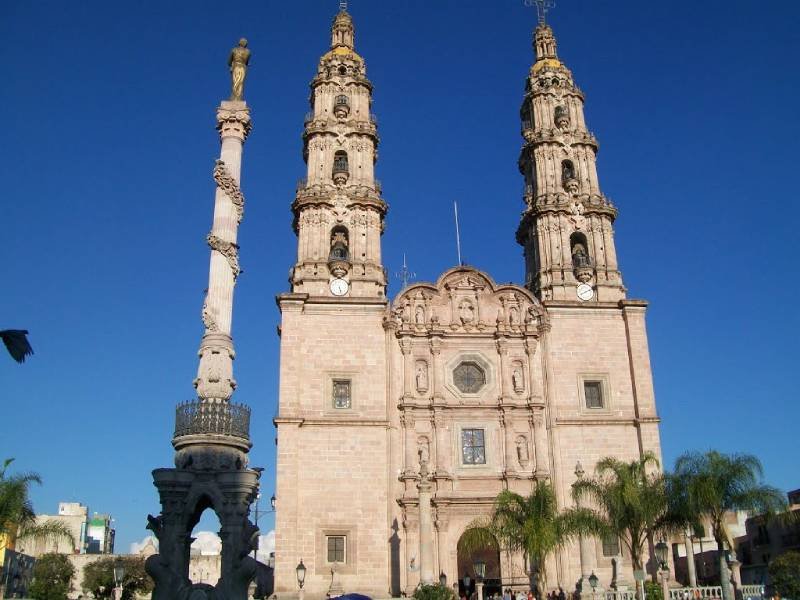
point(17, 343)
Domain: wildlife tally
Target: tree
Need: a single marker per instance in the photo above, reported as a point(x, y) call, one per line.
point(716, 484)
point(17, 517)
point(532, 525)
point(52, 574)
point(630, 500)
point(784, 572)
point(98, 577)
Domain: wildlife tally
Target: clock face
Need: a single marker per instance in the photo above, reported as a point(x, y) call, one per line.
point(585, 292)
point(339, 287)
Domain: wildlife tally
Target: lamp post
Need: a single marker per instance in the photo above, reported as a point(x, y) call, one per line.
point(258, 514)
point(480, 573)
point(301, 578)
point(593, 583)
point(119, 574)
point(662, 555)
point(466, 582)
point(442, 579)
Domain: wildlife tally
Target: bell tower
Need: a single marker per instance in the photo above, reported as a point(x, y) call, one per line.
point(566, 228)
point(338, 209)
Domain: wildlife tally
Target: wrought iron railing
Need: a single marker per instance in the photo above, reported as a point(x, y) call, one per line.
point(340, 165)
point(211, 416)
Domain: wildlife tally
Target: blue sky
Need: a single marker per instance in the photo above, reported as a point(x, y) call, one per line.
point(108, 145)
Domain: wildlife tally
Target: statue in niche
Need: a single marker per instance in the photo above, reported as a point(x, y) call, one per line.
point(532, 316)
point(419, 315)
point(518, 379)
point(423, 449)
point(523, 456)
point(422, 376)
point(237, 61)
point(466, 312)
point(513, 315)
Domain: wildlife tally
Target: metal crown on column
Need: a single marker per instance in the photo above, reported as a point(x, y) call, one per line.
point(212, 438)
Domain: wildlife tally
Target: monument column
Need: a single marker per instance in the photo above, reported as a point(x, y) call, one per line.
point(424, 486)
point(212, 434)
point(690, 566)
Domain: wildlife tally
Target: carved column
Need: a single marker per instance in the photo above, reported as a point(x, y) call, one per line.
point(215, 371)
point(502, 352)
point(408, 367)
point(435, 372)
point(690, 566)
point(530, 352)
point(507, 424)
point(425, 525)
point(407, 421)
point(441, 523)
point(540, 442)
point(442, 445)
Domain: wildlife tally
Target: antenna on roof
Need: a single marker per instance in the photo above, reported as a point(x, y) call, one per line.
point(404, 274)
point(458, 235)
point(542, 8)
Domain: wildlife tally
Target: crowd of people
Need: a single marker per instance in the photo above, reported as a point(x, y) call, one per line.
point(509, 594)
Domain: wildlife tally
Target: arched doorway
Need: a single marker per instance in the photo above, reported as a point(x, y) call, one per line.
point(489, 554)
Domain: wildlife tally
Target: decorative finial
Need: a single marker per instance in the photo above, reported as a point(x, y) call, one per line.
point(342, 5)
point(579, 472)
point(542, 7)
point(237, 61)
point(405, 274)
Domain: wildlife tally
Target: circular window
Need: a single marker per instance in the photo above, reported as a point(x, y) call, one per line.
point(469, 377)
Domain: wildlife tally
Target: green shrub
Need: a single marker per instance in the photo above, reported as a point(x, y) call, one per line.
point(435, 591)
point(652, 591)
point(51, 576)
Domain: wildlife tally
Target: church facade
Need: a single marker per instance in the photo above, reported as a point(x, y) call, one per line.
point(492, 386)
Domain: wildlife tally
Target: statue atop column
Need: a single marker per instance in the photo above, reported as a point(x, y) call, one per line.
point(237, 61)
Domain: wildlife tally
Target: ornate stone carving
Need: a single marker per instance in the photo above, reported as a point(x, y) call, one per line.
point(208, 318)
point(227, 184)
point(229, 250)
point(523, 451)
point(518, 378)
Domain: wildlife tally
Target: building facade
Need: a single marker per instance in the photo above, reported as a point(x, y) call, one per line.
point(491, 386)
point(75, 517)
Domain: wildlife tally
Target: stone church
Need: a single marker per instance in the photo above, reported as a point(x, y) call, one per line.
point(491, 386)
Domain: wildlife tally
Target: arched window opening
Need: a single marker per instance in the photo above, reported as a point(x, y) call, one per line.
point(206, 547)
point(340, 244)
point(569, 179)
point(561, 117)
point(341, 106)
point(579, 248)
point(341, 169)
point(342, 70)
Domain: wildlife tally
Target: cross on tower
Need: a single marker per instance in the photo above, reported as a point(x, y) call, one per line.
point(342, 5)
point(542, 7)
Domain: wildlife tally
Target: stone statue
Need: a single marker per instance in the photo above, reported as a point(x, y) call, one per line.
point(419, 316)
point(237, 61)
point(466, 312)
point(522, 451)
point(517, 379)
point(422, 376)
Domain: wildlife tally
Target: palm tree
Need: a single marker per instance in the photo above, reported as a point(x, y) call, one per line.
point(531, 525)
point(17, 517)
point(630, 500)
point(715, 484)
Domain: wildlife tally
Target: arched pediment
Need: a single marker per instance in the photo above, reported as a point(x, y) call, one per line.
point(465, 299)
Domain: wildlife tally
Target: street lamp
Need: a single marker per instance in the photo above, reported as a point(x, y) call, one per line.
point(466, 581)
point(593, 582)
point(662, 556)
point(442, 579)
point(662, 551)
point(301, 576)
point(480, 573)
point(119, 574)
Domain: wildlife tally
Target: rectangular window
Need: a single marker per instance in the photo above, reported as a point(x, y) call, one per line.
point(593, 391)
point(336, 548)
point(610, 545)
point(341, 393)
point(473, 447)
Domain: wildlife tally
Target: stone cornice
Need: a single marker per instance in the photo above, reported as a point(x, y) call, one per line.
point(605, 420)
point(331, 421)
